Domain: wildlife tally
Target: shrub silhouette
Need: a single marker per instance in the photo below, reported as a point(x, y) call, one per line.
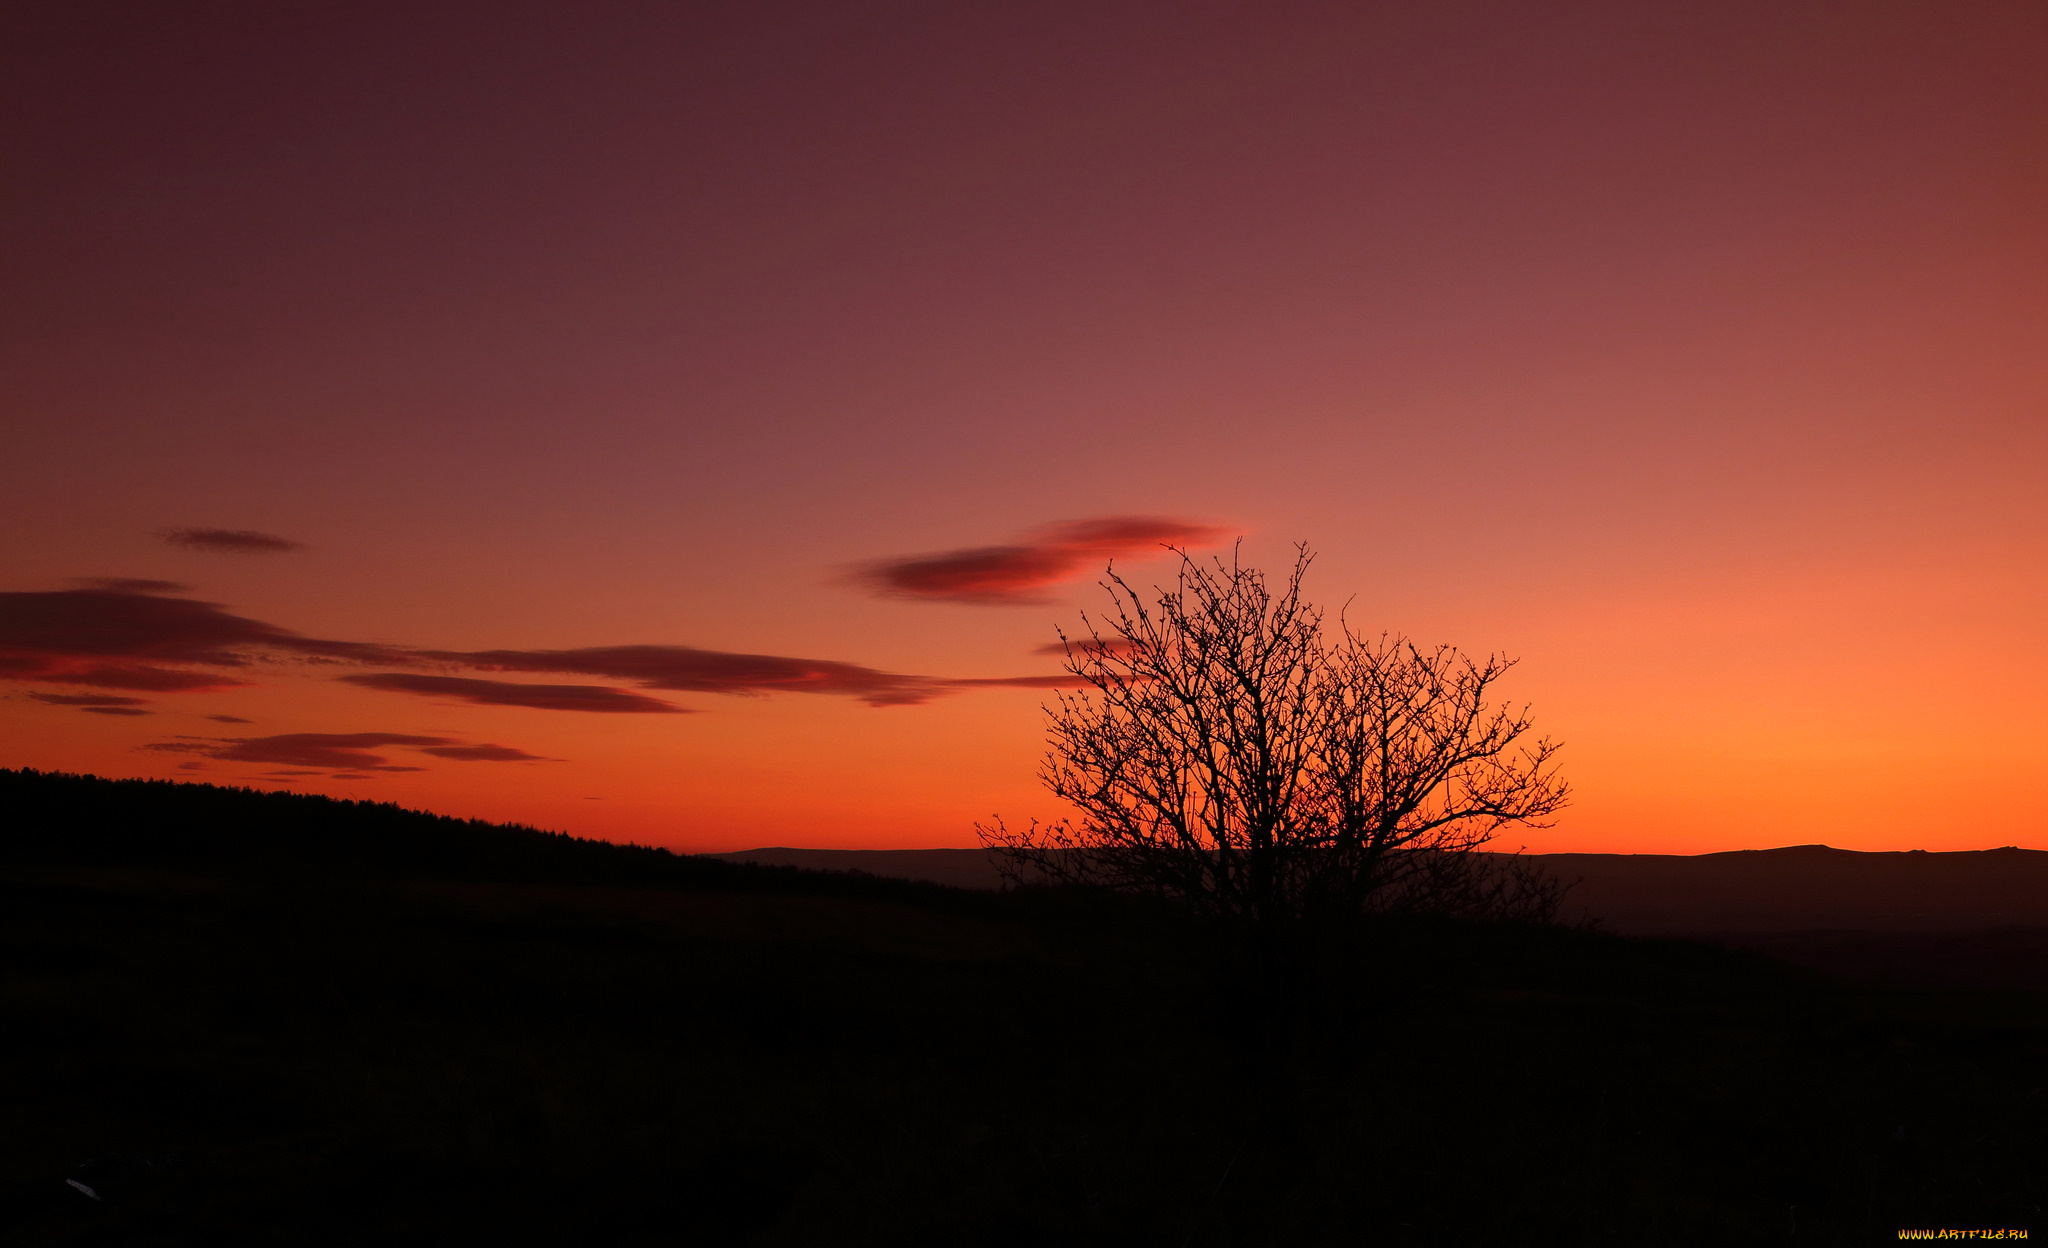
point(1228, 751)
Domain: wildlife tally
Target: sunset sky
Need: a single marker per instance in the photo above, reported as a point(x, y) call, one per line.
point(688, 423)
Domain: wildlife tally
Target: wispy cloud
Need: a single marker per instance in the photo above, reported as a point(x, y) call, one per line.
point(101, 701)
point(484, 754)
point(320, 749)
point(121, 639)
point(689, 670)
point(600, 698)
point(339, 751)
point(232, 541)
point(130, 585)
point(1085, 646)
point(148, 642)
point(140, 676)
point(1021, 572)
point(1010, 682)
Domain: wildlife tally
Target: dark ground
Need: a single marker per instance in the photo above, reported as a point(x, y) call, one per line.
point(259, 1018)
point(1964, 919)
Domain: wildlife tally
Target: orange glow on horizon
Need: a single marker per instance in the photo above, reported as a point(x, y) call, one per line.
point(1692, 358)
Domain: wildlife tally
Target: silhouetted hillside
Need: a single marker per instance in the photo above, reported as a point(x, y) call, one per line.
point(53, 819)
point(955, 868)
point(401, 1029)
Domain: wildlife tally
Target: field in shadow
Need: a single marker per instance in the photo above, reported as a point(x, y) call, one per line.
point(239, 1017)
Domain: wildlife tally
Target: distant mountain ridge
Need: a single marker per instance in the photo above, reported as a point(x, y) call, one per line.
point(1807, 887)
point(1796, 888)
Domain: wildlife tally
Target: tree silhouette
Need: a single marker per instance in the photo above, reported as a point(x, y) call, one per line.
point(1226, 751)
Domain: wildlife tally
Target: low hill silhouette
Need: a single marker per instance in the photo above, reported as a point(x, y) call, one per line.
point(58, 819)
point(1802, 887)
point(1971, 918)
point(1806, 887)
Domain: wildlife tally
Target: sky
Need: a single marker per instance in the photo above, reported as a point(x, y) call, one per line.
point(689, 423)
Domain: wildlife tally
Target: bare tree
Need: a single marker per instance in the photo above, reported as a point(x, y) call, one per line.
point(1225, 752)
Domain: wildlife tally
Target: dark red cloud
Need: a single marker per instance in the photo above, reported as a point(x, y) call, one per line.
point(1086, 646)
point(326, 750)
point(232, 541)
point(140, 676)
point(99, 623)
point(102, 700)
point(112, 710)
point(1010, 682)
point(600, 698)
point(117, 639)
point(130, 585)
point(689, 670)
point(1020, 573)
point(338, 751)
point(484, 754)
point(228, 719)
point(121, 639)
